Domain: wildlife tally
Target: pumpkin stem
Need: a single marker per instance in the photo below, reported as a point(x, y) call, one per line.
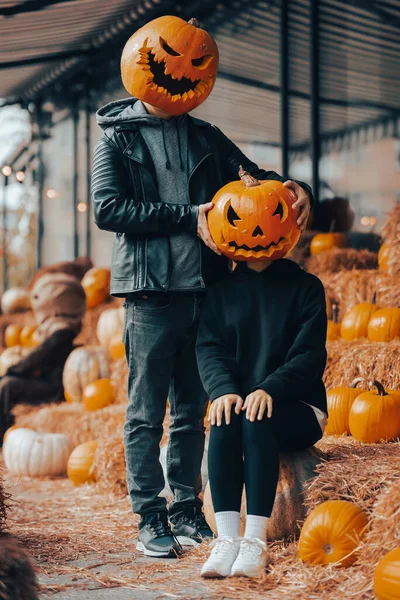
point(193, 21)
point(332, 225)
point(356, 381)
point(380, 388)
point(374, 298)
point(335, 314)
point(248, 180)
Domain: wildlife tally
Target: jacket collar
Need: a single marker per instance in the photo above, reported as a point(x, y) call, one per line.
point(136, 148)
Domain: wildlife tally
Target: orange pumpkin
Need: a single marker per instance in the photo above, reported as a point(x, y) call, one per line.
point(96, 284)
point(375, 415)
point(295, 469)
point(333, 330)
point(27, 337)
point(387, 576)
point(170, 64)
point(254, 220)
point(384, 325)
point(12, 335)
point(383, 257)
point(98, 394)
point(355, 322)
point(339, 401)
point(331, 533)
point(116, 346)
point(326, 241)
point(81, 462)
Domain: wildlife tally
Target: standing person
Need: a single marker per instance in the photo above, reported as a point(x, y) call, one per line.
point(261, 355)
point(59, 303)
point(155, 171)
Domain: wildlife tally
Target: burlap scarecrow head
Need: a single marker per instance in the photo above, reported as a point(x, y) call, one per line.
point(59, 302)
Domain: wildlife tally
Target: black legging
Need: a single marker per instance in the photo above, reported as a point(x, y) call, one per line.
point(248, 453)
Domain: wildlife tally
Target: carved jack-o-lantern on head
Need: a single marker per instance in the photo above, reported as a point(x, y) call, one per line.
point(254, 220)
point(171, 64)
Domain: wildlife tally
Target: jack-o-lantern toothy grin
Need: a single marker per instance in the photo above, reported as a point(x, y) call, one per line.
point(254, 220)
point(170, 64)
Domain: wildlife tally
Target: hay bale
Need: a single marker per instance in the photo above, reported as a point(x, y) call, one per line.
point(341, 259)
point(348, 288)
point(384, 531)
point(17, 573)
point(370, 360)
point(353, 471)
point(391, 235)
point(119, 379)
point(72, 420)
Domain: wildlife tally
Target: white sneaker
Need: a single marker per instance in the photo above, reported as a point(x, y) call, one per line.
point(222, 557)
point(251, 560)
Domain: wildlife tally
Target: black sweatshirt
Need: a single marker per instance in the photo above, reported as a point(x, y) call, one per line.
point(265, 331)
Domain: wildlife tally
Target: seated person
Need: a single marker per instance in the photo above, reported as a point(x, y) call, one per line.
point(261, 355)
point(58, 302)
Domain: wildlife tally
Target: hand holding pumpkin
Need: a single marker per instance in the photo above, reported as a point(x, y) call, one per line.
point(202, 227)
point(223, 405)
point(255, 405)
point(302, 202)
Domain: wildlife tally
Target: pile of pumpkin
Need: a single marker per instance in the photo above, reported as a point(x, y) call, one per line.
point(365, 320)
point(86, 380)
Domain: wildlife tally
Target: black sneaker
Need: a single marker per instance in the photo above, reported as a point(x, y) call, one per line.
point(190, 526)
point(156, 538)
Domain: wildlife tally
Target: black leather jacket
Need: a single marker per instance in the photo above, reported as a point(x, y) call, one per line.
point(126, 202)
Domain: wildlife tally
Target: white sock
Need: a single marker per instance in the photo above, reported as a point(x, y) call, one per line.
point(256, 527)
point(228, 523)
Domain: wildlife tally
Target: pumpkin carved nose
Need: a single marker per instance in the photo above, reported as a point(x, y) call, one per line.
point(257, 231)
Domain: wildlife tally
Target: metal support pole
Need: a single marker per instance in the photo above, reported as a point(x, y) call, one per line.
point(315, 116)
point(4, 219)
point(284, 43)
point(75, 179)
point(88, 176)
point(39, 177)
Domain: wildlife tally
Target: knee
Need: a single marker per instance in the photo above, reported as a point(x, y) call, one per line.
point(224, 432)
point(254, 431)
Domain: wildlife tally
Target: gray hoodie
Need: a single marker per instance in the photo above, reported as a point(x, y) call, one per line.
point(167, 141)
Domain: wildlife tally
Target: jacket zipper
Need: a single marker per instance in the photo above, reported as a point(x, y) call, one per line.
point(201, 280)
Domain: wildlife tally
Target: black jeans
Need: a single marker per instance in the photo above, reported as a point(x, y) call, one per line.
point(159, 335)
point(248, 453)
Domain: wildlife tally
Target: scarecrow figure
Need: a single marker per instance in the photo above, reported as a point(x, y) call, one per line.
point(155, 172)
point(58, 302)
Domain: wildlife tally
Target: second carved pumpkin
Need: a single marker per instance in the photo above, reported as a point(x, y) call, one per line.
point(254, 220)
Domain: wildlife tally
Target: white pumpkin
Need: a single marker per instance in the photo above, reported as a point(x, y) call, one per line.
point(28, 452)
point(15, 300)
point(84, 366)
point(10, 357)
point(111, 321)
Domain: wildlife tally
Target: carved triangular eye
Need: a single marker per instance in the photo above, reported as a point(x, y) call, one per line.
point(168, 48)
point(279, 210)
point(232, 216)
